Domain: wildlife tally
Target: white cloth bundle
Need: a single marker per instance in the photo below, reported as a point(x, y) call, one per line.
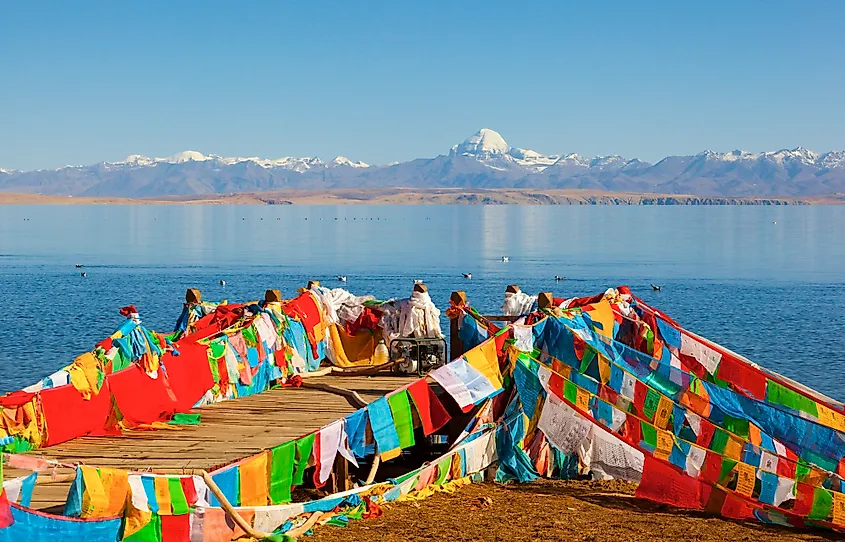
point(517, 303)
point(414, 317)
point(340, 306)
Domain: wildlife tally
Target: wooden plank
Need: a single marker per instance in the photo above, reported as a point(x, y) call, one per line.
point(228, 431)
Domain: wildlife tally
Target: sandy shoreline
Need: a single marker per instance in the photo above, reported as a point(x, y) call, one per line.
point(414, 196)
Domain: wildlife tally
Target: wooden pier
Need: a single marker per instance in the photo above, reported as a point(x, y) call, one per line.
point(228, 431)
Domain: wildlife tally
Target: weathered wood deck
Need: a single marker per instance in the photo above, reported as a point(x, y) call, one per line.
point(228, 431)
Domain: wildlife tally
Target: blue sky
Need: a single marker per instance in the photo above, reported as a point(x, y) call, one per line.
point(387, 81)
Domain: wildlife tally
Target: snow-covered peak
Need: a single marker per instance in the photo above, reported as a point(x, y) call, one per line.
point(832, 159)
point(573, 159)
point(532, 159)
point(136, 160)
point(798, 154)
point(612, 161)
point(484, 143)
point(344, 161)
point(186, 156)
point(732, 156)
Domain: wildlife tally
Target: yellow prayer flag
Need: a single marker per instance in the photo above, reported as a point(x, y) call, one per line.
point(162, 490)
point(602, 314)
point(94, 499)
point(746, 475)
point(830, 418)
point(665, 440)
point(255, 479)
point(483, 358)
point(582, 400)
point(390, 454)
point(662, 412)
point(604, 369)
point(838, 508)
point(116, 486)
point(135, 520)
point(733, 448)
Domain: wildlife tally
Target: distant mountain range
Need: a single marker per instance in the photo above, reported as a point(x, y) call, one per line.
point(484, 160)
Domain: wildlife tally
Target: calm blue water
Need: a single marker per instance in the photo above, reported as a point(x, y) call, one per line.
point(771, 291)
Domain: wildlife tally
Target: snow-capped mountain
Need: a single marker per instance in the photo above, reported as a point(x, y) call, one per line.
point(483, 160)
point(289, 162)
point(488, 146)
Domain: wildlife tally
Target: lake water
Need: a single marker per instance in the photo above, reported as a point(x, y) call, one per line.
point(764, 281)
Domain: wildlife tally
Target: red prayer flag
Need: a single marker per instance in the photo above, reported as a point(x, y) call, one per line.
point(736, 508)
point(189, 490)
point(633, 431)
point(6, 519)
point(705, 433)
point(712, 468)
point(640, 391)
point(742, 376)
point(68, 415)
point(803, 499)
point(663, 483)
point(175, 528)
point(556, 385)
point(432, 413)
point(188, 374)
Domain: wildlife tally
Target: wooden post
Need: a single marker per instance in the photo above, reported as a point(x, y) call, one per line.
point(340, 475)
point(272, 296)
point(456, 345)
point(546, 300)
point(193, 296)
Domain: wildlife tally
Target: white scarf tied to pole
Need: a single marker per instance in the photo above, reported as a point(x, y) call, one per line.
point(517, 303)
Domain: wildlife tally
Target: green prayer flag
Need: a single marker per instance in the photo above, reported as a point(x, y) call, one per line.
point(727, 467)
point(589, 356)
point(652, 399)
point(151, 532)
point(281, 472)
point(250, 336)
point(649, 433)
point(400, 408)
point(822, 503)
point(802, 469)
point(218, 348)
point(443, 469)
point(178, 501)
point(303, 454)
point(570, 391)
point(737, 426)
point(403, 477)
point(719, 441)
point(215, 369)
point(781, 395)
